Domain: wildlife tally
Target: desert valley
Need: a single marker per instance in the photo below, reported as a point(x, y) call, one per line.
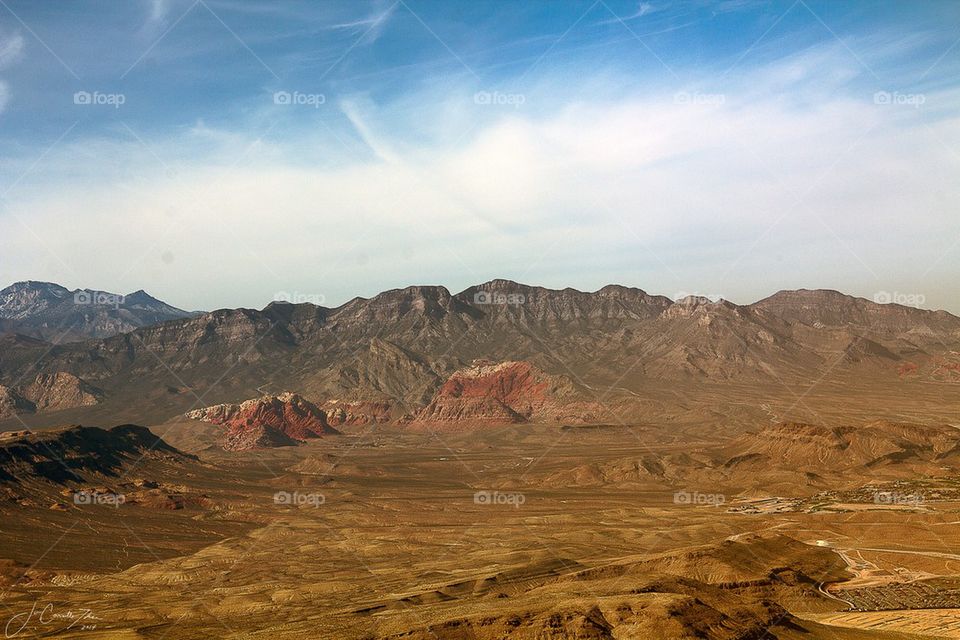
point(480, 320)
point(428, 465)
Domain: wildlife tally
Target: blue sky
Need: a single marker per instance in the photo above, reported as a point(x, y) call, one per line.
point(221, 152)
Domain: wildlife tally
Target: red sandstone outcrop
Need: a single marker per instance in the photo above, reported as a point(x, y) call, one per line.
point(502, 393)
point(269, 421)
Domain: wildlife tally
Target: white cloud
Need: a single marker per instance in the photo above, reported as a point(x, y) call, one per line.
point(643, 9)
point(157, 11)
point(11, 49)
point(641, 189)
point(380, 148)
point(371, 26)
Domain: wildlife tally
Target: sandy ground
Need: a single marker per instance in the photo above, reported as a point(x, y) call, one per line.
point(379, 533)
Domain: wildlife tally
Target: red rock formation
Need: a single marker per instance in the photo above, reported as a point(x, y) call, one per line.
point(947, 370)
point(499, 393)
point(270, 421)
point(907, 369)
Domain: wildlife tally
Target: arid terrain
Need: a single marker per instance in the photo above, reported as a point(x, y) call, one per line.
point(382, 534)
point(785, 470)
point(480, 320)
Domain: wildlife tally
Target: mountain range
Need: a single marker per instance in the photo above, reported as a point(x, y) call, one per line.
point(52, 312)
point(618, 346)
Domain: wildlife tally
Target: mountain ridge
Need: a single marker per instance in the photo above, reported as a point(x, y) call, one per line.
point(401, 345)
point(51, 311)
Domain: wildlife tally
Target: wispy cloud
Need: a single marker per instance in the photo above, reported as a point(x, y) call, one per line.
point(595, 183)
point(11, 51)
point(598, 160)
point(371, 26)
point(11, 48)
point(156, 20)
point(352, 110)
point(4, 95)
point(643, 9)
point(731, 6)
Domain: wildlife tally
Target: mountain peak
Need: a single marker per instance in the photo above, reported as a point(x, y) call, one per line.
point(502, 282)
point(704, 301)
point(36, 284)
point(619, 288)
point(48, 310)
point(830, 308)
point(810, 296)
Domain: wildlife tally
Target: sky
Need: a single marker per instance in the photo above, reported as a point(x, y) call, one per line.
point(226, 153)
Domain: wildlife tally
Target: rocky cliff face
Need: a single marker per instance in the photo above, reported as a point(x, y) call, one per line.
point(834, 313)
point(12, 403)
point(501, 300)
point(270, 421)
point(358, 413)
point(46, 393)
point(56, 391)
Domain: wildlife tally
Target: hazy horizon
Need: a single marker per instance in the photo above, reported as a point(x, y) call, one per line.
point(880, 297)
